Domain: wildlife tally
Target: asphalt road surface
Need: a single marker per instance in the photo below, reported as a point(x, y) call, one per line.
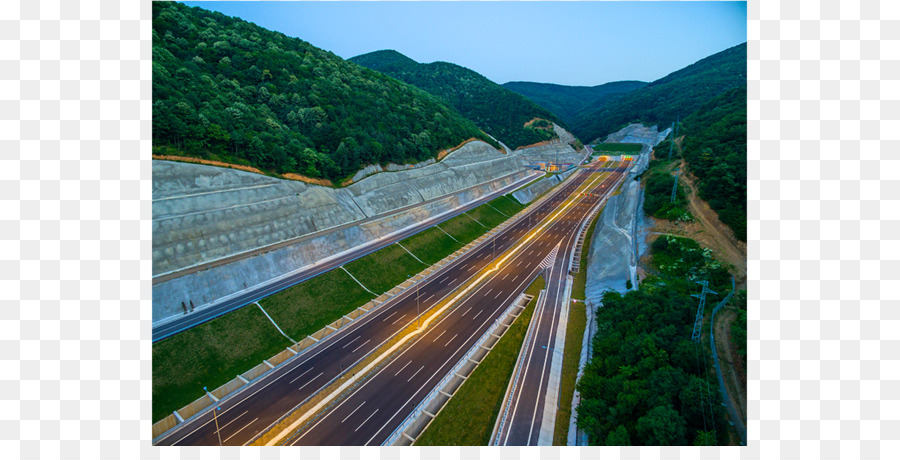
point(185, 322)
point(247, 414)
point(523, 417)
point(370, 413)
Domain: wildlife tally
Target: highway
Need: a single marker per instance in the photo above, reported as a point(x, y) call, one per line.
point(370, 413)
point(262, 403)
point(522, 417)
point(200, 316)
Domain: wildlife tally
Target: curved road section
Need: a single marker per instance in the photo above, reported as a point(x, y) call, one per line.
point(248, 413)
point(370, 413)
point(528, 415)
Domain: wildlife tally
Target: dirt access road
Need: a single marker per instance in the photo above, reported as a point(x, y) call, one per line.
point(706, 229)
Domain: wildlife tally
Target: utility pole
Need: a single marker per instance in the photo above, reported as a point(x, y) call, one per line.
point(698, 322)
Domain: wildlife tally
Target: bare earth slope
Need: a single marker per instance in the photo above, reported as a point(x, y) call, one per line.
point(708, 230)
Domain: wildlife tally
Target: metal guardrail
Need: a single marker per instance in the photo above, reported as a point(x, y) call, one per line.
point(501, 418)
point(417, 411)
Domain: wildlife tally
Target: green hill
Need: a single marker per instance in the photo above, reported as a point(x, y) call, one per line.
point(660, 102)
point(226, 89)
point(495, 109)
point(568, 101)
point(715, 147)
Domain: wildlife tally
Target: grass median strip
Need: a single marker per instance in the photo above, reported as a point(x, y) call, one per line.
point(468, 418)
point(578, 285)
point(571, 357)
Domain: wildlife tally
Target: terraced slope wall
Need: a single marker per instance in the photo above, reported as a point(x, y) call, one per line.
point(204, 213)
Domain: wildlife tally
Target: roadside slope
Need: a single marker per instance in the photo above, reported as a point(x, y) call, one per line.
point(202, 214)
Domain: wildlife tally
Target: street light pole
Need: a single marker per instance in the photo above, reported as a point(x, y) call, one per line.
point(215, 417)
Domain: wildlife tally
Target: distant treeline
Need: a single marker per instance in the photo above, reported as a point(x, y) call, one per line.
point(500, 112)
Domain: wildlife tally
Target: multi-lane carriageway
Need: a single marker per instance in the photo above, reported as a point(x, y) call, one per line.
point(372, 410)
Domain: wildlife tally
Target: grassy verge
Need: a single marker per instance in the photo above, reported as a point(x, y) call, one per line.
point(571, 356)
point(572, 351)
point(381, 270)
point(207, 355)
point(215, 352)
point(578, 286)
point(468, 418)
point(431, 245)
point(305, 308)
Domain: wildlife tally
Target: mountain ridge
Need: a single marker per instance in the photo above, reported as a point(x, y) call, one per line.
point(225, 89)
point(568, 101)
point(661, 101)
point(498, 111)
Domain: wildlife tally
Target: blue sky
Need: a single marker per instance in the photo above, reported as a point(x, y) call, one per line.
point(570, 43)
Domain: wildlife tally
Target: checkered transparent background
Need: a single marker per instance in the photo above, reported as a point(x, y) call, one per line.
point(75, 238)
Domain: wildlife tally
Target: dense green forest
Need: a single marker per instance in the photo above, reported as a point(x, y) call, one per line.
point(498, 111)
point(662, 101)
point(647, 383)
point(715, 147)
point(658, 183)
point(567, 102)
point(226, 89)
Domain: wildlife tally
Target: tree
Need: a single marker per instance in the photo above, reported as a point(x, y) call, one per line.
point(265, 98)
point(618, 437)
point(662, 426)
point(705, 438)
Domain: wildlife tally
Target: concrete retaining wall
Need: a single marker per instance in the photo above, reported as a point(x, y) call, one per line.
point(638, 133)
point(205, 286)
point(550, 152)
point(203, 213)
point(530, 193)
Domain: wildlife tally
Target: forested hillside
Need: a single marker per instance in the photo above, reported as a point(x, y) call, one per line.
point(647, 382)
point(228, 90)
point(715, 147)
point(660, 102)
point(567, 102)
point(495, 109)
